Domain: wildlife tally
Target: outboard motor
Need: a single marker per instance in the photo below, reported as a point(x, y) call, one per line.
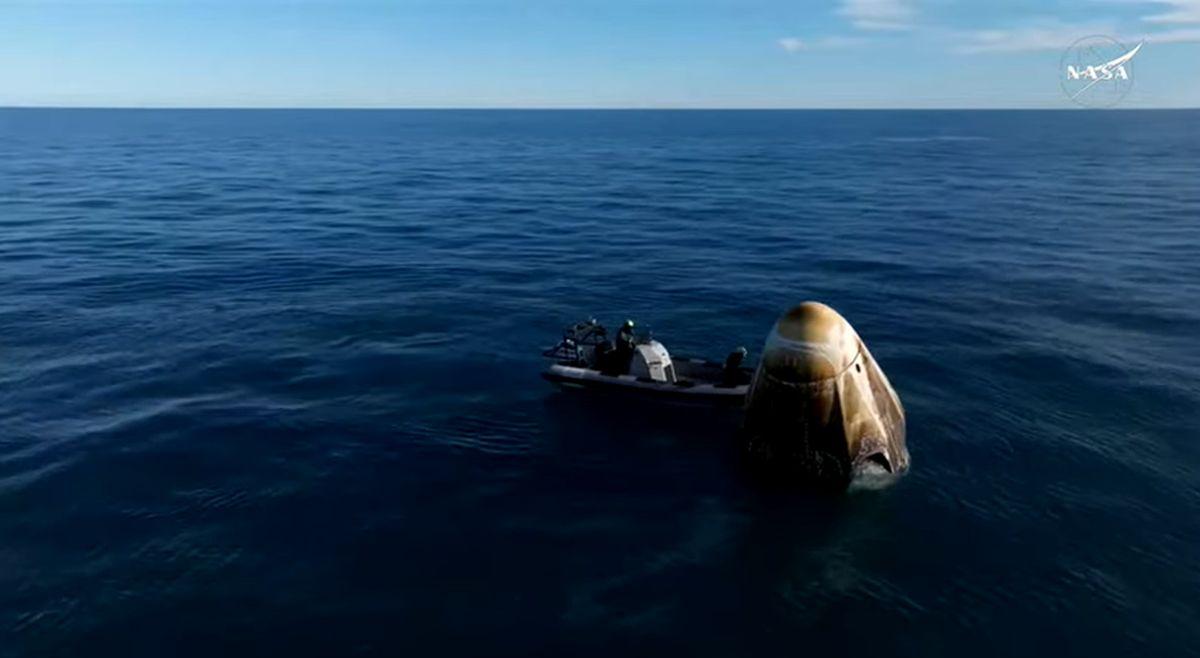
point(652, 362)
point(819, 409)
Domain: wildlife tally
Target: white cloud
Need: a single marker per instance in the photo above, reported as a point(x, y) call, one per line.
point(878, 14)
point(1189, 35)
point(835, 42)
point(1056, 35)
point(1182, 11)
point(1041, 35)
point(791, 44)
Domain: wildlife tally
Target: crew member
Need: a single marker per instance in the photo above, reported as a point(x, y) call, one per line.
point(625, 345)
point(731, 373)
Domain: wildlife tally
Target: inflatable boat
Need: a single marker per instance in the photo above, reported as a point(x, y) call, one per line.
point(585, 359)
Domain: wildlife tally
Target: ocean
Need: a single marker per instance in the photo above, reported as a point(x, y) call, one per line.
point(269, 382)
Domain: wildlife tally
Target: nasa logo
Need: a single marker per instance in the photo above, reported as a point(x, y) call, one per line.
point(1097, 71)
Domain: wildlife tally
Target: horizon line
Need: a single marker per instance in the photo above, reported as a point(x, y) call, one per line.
point(585, 108)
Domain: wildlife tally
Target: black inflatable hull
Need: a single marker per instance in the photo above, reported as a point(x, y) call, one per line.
point(684, 392)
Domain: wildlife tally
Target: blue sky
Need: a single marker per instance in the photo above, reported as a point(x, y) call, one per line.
point(583, 53)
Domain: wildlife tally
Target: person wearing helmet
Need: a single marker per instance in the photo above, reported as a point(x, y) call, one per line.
point(625, 345)
point(625, 335)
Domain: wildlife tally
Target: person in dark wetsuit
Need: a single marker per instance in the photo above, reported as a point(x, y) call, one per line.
point(625, 346)
point(731, 374)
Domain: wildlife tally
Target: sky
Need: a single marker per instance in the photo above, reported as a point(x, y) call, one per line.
point(582, 53)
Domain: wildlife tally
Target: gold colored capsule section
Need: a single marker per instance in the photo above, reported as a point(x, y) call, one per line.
point(819, 407)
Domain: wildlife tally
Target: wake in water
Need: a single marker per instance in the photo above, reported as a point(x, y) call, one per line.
point(872, 476)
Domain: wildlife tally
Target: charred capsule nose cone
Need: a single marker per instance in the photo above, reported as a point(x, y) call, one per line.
point(810, 343)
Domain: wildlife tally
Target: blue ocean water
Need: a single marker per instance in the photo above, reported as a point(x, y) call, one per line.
point(269, 382)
